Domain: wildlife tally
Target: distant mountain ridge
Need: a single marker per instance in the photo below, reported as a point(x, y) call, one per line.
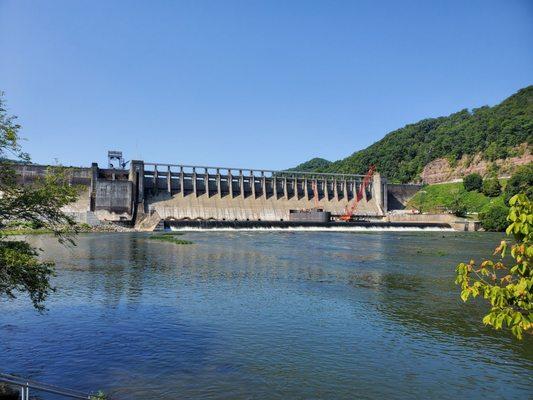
point(490, 134)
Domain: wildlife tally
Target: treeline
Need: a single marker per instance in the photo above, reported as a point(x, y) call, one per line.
point(313, 164)
point(402, 154)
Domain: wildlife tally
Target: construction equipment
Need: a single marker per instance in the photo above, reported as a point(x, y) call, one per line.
point(350, 209)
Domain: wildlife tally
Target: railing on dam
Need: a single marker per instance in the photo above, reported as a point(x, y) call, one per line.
point(250, 171)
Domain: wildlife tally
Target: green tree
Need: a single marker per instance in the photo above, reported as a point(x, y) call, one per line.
point(39, 204)
point(495, 218)
point(520, 182)
point(473, 182)
point(508, 288)
point(492, 187)
point(458, 207)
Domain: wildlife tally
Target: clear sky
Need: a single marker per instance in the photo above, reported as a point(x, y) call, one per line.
point(249, 83)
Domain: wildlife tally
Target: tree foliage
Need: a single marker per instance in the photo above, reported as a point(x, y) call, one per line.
point(312, 165)
point(458, 207)
point(520, 182)
point(495, 218)
point(492, 187)
point(473, 182)
point(39, 204)
point(402, 154)
point(506, 284)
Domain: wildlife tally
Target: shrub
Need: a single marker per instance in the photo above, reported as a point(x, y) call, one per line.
point(458, 207)
point(99, 396)
point(495, 219)
point(85, 227)
point(473, 182)
point(492, 187)
point(520, 182)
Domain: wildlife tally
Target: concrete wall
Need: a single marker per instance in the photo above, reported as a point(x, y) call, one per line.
point(244, 209)
point(28, 173)
point(423, 218)
point(114, 200)
point(457, 223)
point(399, 194)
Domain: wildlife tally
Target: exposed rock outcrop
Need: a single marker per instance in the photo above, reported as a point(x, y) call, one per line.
point(440, 170)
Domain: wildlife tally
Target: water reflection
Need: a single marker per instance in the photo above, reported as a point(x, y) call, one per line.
point(264, 315)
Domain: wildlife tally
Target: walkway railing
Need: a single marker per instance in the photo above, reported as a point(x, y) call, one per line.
point(251, 171)
point(26, 384)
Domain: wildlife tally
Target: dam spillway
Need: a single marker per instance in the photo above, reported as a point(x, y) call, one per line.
point(180, 192)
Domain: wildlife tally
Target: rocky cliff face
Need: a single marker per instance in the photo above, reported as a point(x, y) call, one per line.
point(440, 170)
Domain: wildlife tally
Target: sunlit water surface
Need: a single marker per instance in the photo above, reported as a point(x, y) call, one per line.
point(265, 315)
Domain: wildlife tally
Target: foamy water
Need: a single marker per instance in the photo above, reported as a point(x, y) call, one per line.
point(315, 229)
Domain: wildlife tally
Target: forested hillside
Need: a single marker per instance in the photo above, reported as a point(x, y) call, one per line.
point(312, 165)
point(494, 132)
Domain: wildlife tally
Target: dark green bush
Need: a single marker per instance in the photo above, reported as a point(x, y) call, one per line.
point(492, 187)
point(520, 182)
point(458, 208)
point(495, 219)
point(473, 182)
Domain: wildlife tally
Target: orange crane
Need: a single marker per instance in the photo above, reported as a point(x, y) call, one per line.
point(350, 209)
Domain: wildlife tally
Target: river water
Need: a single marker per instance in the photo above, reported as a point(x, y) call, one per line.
point(265, 315)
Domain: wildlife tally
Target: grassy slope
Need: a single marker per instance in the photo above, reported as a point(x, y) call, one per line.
point(434, 198)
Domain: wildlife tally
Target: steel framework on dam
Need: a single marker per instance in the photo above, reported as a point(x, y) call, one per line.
point(246, 182)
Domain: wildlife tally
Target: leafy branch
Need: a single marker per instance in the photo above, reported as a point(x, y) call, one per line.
point(507, 287)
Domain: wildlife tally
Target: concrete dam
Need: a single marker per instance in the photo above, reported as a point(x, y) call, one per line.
point(148, 193)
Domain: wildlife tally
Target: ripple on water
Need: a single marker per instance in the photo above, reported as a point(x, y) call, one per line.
point(265, 315)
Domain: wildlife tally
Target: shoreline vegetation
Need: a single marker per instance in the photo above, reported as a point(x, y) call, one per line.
point(24, 229)
point(486, 199)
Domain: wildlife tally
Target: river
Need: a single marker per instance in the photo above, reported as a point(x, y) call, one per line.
point(265, 315)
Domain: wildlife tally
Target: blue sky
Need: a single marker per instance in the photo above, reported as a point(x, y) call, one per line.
point(249, 83)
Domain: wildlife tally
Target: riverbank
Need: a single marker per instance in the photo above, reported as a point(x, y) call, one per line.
point(81, 228)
